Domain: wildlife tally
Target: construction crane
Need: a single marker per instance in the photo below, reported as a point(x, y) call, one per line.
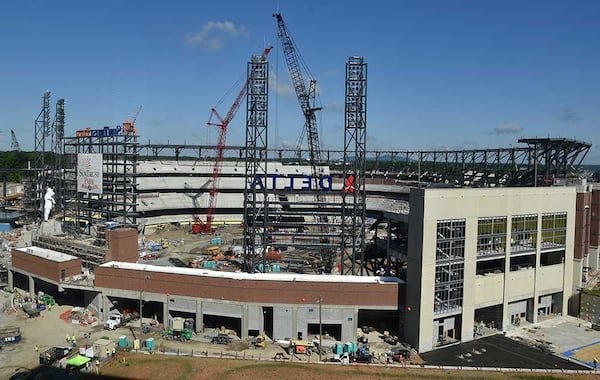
point(306, 99)
point(222, 124)
point(306, 96)
point(129, 126)
point(14, 145)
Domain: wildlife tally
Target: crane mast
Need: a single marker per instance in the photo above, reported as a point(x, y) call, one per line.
point(222, 124)
point(306, 98)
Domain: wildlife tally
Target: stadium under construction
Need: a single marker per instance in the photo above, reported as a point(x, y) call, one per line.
point(424, 244)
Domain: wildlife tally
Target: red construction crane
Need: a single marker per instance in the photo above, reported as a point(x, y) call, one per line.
point(222, 124)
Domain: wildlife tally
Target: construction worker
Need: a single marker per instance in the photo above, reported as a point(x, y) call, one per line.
point(74, 341)
point(107, 353)
point(36, 348)
point(97, 366)
point(595, 364)
point(114, 351)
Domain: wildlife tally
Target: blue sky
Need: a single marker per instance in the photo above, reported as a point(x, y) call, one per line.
point(441, 74)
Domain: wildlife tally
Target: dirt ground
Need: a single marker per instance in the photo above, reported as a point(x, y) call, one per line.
point(139, 366)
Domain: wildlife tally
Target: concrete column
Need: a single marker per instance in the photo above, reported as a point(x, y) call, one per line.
point(11, 280)
point(31, 286)
point(105, 306)
point(294, 323)
point(244, 332)
point(199, 317)
point(166, 313)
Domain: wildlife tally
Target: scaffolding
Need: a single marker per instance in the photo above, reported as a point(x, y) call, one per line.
point(256, 208)
point(354, 166)
point(117, 200)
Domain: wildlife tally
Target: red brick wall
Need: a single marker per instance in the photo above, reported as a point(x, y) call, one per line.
point(43, 267)
point(71, 267)
point(248, 290)
point(595, 219)
point(582, 224)
point(122, 244)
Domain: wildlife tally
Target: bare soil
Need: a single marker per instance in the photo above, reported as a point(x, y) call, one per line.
point(140, 366)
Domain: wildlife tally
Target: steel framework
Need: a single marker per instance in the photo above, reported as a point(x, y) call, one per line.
point(353, 168)
point(256, 207)
point(57, 135)
point(34, 184)
point(118, 201)
point(513, 166)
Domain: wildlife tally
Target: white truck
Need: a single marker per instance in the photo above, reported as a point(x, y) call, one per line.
point(113, 322)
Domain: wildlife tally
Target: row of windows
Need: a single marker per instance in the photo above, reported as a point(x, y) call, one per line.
point(492, 233)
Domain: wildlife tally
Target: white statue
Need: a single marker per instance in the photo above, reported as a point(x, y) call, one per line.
point(48, 202)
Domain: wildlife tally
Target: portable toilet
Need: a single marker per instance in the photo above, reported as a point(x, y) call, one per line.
point(122, 341)
point(338, 348)
point(150, 344)
point(348, 347)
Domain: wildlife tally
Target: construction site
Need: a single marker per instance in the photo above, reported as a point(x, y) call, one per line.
point(424, 249)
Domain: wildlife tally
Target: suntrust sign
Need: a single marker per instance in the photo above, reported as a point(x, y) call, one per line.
point(104, 132)
point(301, 183)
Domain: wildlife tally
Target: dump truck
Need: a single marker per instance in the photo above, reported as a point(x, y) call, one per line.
point(51, 355)
point(10, 335)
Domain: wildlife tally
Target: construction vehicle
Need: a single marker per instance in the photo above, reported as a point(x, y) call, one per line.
point(31, 310)
point(51, 355)
point(259, 341)
point(221, 338)
point(118, 320)
point(181, 335)
point(10, 335)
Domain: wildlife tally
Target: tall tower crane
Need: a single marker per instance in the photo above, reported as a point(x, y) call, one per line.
point(222, 124)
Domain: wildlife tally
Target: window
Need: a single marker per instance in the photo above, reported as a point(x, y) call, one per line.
point(554, 230)
point(491, 236)
point(450, 240)
point(448, 298)
point(523, 233)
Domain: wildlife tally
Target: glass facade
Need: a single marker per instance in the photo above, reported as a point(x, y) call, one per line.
point(449, 266)
point(524, 233)
point(491, 236)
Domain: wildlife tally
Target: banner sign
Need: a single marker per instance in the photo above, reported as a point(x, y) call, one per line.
point(89, 173)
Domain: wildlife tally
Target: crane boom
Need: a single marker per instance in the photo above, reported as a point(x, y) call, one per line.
point(14, 146)
point(220, 149)
point(306, 97)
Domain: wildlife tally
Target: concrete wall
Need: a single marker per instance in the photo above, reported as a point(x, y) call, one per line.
point(428, 206)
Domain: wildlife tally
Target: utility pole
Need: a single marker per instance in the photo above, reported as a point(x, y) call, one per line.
point(142, 303)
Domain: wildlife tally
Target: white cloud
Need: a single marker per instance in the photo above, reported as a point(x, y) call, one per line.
point(507, 129)
point(279, 87)
point(334, 107)
point(213, 34)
